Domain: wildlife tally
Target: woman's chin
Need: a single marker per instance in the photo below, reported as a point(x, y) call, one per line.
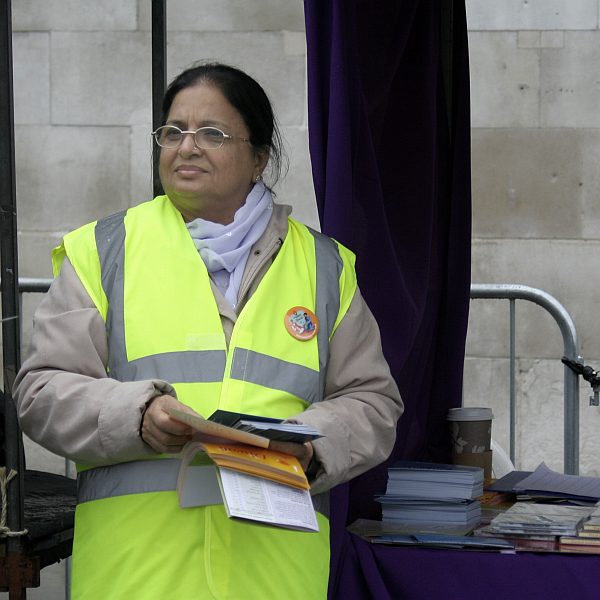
point(188, 193)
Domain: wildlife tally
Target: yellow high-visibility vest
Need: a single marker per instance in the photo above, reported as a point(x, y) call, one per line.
point(145, 276)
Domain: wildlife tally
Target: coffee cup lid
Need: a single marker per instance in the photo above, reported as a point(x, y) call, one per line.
point(470, 413)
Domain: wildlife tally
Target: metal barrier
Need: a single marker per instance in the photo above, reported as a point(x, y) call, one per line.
point(33, 285)
point(571, 380)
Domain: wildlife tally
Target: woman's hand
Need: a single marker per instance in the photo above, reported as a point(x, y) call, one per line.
point(160, 431)
point(303, 452)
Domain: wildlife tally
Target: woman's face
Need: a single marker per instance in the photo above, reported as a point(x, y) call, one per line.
point(211, 184)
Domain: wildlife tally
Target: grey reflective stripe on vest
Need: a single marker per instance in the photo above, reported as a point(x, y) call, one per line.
point(128, 478)
point(275, 373)
point(142, 477)
point(176, 367)
point(329, 268)
point(110, 242)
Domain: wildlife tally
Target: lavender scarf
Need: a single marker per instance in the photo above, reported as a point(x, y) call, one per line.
point(225, 248)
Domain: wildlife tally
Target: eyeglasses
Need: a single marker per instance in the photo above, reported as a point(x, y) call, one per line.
point(207, 138)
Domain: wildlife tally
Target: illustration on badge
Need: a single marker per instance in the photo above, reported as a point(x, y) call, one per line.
point(301, 323)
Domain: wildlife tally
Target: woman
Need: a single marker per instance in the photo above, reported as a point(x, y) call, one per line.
point(195, 301)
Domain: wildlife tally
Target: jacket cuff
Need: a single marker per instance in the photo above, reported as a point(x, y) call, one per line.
point(331, 452)
point(120, 419)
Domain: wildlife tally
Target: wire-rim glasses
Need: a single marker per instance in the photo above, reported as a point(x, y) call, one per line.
point(206, 138)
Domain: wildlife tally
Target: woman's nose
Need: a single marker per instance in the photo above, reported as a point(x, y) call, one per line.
point(188, 144)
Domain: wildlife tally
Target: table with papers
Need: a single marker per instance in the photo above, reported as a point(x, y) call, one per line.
point(368, 570)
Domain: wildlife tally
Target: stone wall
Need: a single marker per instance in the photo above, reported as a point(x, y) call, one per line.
point(535, 154)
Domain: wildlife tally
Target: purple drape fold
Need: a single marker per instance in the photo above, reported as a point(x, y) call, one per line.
point(376, 572)
point(388, 100)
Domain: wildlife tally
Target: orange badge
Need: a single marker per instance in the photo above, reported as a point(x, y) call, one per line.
point(301, 323)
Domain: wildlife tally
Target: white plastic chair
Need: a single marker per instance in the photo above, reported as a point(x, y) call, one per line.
point(501, 463)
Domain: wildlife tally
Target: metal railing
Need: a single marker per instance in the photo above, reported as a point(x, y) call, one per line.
point(571, 379)
point(33, 285)
point(28, 285)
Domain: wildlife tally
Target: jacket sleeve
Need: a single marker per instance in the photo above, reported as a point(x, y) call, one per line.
point(362, 403)
point(65, 400)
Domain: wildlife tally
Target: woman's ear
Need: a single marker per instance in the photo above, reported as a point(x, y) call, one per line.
point(261, 158)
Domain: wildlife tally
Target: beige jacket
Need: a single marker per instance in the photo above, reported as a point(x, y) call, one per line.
point(68, 404)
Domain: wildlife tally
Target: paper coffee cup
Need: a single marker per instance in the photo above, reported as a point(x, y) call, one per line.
point(471, 435)
point(470, 429)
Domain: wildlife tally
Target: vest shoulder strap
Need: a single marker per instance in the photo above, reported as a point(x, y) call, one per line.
point(80, 247)
point(332, 252)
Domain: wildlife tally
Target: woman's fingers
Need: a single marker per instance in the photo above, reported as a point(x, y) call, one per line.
point(160, 431)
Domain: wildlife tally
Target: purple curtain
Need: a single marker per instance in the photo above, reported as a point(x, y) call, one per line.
point(388, 105)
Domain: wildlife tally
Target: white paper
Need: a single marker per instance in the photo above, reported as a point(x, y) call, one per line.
point(260, 499)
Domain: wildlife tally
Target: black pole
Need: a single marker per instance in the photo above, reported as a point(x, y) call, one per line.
point(447, 56)
point(159, 77)
point(10, 293)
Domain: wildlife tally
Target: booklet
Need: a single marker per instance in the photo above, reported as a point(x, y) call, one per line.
point(258, 499)
point(260, 462)
point(253, 483)
point(245, 496)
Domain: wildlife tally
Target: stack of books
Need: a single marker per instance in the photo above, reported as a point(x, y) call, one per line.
point(588, 534)
point(433, 494)
point(536, 519)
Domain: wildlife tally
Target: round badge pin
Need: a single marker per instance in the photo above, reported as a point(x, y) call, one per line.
point(301, 323)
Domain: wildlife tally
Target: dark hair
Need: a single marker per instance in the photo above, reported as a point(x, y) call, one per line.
point(247, 97)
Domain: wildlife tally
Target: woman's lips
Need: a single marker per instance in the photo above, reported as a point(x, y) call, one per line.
point(189, 170)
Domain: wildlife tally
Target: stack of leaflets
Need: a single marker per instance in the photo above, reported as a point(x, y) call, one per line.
point(532, 518)
point(434, 480)
point(432, 493)
point(273, 429)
